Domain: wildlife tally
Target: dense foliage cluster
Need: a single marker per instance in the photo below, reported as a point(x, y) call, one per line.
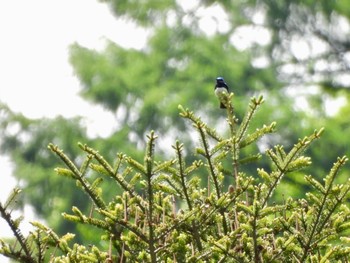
point(166, 214)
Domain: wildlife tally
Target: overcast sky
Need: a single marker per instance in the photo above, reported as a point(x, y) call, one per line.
point(35, 75)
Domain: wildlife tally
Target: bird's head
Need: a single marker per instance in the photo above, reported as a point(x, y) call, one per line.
point(220, 80)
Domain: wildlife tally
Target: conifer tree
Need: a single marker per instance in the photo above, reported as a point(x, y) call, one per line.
point(166, 214)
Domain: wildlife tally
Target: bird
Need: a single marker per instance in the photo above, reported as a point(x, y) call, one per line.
point(220, 88)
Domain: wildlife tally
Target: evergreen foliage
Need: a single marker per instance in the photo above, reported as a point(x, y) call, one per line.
point(166, 214)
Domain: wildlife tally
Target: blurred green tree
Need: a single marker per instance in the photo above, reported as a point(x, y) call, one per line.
point(275, 48)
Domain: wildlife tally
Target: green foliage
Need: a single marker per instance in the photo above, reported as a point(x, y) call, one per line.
point(162, 212)
point(143, 88)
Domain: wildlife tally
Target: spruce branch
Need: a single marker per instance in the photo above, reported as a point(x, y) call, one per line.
point(26, 256)
point(95, 196)
point(253, 106)
point(250, 138)
point(11, 199)
point(108, 168)
point(178, 147)
point(149, 161)
point(284, 161)
point(124, 223)
point(214, 176)
point(239, 139)
point(182, 187)
point(200, 127)
point(187, 114)
point(41, 247)
point(235, 158)
point(86, 163)
point(231, 118)
point(51, 238)
point(324, 210)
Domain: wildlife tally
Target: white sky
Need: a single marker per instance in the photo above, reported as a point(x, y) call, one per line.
point(35, 75)
point(34, 68)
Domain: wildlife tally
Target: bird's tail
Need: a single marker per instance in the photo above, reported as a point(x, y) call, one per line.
point(222, 106)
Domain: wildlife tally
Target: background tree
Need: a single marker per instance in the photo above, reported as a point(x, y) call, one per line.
point(188, 47)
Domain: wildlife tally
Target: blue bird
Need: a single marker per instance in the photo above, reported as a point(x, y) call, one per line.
point(220, 88)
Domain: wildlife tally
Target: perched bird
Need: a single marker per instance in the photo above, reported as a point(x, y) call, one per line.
point(220, 88)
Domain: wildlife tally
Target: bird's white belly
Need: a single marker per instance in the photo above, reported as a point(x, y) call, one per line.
point(219, 91)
